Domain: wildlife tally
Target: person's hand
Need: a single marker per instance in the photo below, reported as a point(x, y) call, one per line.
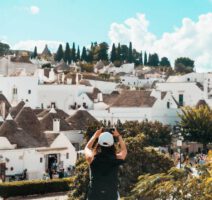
point(116, 133)
point(98, 132)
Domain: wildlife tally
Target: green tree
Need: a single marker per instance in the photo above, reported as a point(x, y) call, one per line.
point(184, 65)
point(165, 62)
point(156, 134)
point(141, 58)
point(153, 60)
point(113, 56)
point(4, 48)
point(90, 56)
point(79, 186)
point(136, 57)
point(145, 59)
point(73, 52)
point(176, 184)
point(78, 53)
point(34, 54)
point(93, 52)
point(130, 53)
point(59, 54)
point(103, 51)
point(141, 160)
point(124, 52)
point(84, 54)
point(67, 54)
point(196, 124)
point(118, 55)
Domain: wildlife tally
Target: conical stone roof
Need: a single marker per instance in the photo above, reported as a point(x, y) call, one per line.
point(60, 112)
point(16, 135)
point(46, 52)
point(7, 104)
point(28, 121)
point(15, 110)
point(47, 121)
point(81, 120)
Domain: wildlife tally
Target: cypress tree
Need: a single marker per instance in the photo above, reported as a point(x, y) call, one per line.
point(155, 59)
point(59, 54)
point(113, 53)
point(67, 54)
point(73, 53)
point(35, 54)
point(130, 53)
point(124, 52)
point(78, 54)
point(118, 54)
point(149, 62)
point(92, 53)
point(141, 58)
point(145, 59)
point(84, 54)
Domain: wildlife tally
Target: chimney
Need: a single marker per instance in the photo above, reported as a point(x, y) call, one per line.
point(52, 75)
point(100, 97)
point(58, 78)
point(77, 78)
point(63, 78)
point(56, 125)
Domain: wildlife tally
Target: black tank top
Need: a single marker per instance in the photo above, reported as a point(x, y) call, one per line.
point(104, 177)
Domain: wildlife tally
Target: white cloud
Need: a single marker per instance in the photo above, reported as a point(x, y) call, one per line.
point(3, 38)
point(30, 44)
point(191, 39)
point(34, 10)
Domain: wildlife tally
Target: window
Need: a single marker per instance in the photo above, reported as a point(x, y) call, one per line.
point(67, 155)
point(168, 104)
point(84, 105)
point(29, 91)
point(11, 168)
point(41, 160)
point(188, 79)
point(53, 105)
point(181, 99)
point(15, 90)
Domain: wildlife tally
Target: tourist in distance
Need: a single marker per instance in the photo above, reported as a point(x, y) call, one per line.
point(104, 162)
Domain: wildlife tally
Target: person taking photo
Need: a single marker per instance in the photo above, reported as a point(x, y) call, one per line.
point(104, 161)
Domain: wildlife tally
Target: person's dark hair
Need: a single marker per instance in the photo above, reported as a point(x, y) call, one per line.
point(105, 150)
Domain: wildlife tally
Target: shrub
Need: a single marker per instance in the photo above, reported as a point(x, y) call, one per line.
point(24, 188)
point(79, 185)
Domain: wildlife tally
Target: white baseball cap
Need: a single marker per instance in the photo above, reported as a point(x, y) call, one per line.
point(106, 139)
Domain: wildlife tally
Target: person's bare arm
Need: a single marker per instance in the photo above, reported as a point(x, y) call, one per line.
point(123, 149)
point(89, 155)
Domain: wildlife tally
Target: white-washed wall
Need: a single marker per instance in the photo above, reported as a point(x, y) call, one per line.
point(63, 95)
point(191, 92)
point(27, 88)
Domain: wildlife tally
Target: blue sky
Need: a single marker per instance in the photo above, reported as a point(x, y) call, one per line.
point(84, 21)
point(147, 23)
